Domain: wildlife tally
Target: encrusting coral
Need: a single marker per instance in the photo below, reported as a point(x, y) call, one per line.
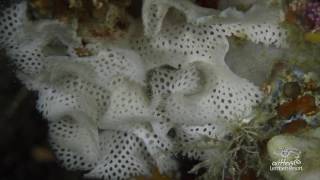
point(119, 109)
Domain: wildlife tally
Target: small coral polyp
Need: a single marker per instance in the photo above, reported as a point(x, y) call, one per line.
point(112, 112)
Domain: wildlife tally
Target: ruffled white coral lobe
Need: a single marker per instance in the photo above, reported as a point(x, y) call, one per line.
point(122, 155)
point(123, 110)
point(155, 11)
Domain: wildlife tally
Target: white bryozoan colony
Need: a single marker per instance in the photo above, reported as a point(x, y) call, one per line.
point(129, 106)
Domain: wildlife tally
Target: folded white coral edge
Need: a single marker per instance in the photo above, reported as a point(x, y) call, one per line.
point(155, 11)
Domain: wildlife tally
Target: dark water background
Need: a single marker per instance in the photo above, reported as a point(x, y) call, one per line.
point(24, 149)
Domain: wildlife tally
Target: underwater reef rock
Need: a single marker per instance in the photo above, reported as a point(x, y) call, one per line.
point(96, 19)
point(305, 105)
point(305, 13)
